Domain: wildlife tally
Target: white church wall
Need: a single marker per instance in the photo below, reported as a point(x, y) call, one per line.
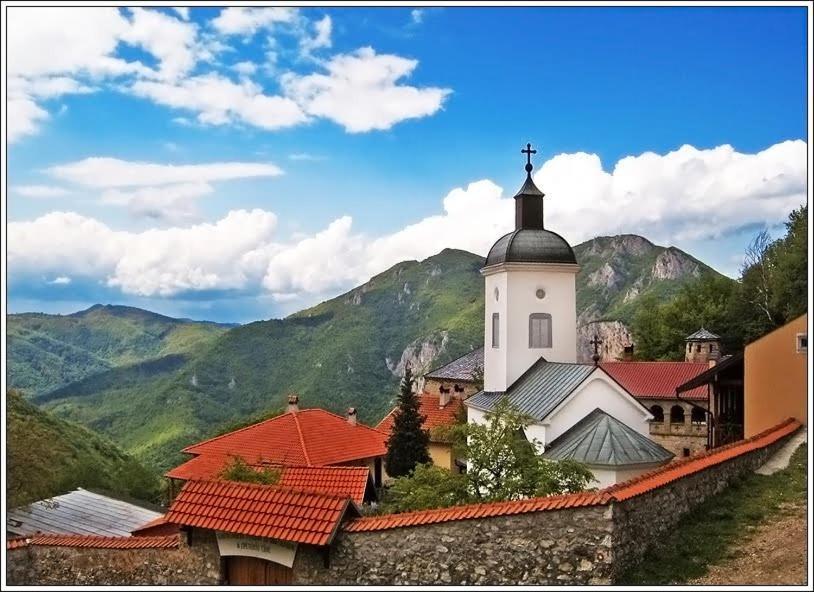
point(601, 391)
point(494, 359)
point(604, 477)
point(537, 431)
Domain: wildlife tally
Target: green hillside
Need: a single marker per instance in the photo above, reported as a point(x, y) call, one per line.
point(49, 351)
point(48, 456)
point(348, 351)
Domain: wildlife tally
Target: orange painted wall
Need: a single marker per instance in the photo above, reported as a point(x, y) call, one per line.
point(775, 376)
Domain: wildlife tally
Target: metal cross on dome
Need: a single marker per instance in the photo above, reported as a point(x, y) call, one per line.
point(528, 152)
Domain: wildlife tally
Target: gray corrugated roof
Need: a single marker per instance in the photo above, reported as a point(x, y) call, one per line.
point(539, 390)
point(459, 369)
point(601, 439)
point(78, 512)
point(702, 335)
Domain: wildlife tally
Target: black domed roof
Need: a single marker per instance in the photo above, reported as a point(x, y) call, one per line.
point(531, 245)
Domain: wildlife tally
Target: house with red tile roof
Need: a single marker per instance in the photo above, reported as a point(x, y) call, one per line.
point(312, 448)
point(679, 421)
point(439, 411)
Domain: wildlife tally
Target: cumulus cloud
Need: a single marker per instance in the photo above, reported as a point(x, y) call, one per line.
point(62, 280)
point(169, 203)
point(684, 195)
point(247, 21)
point(182, 11)
point(361, 92)
point(113, 172)
point(56, 51)
point(218, 100)
point(41, 191)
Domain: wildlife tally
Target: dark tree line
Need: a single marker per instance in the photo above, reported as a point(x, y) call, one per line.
point(771, 291)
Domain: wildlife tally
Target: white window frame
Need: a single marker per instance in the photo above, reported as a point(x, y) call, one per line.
point(801, 349)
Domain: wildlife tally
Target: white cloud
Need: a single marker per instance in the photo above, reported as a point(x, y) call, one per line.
point(360, 91)
point(173, 42)
point(305, 156)
point(41, 191)
point(23, 117)
point(62, 280)
point(182, 11)
point(417, 16)
point(321, 38)
point(46, 87)
point(245, 68)
point(213, 256)
point(113, 172)
point(684, 195)
point(219, 101)
point(168, 203)
point(247, 21)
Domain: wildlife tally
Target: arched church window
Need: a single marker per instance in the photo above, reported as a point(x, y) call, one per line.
point(698, 416)
point(658, 414)
point(677, 414)
point(539, 330)
point(495, 329)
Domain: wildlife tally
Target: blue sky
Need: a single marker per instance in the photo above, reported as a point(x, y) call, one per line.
point(355, 138)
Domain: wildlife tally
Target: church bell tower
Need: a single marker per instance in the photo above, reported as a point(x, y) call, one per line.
point(530, 282)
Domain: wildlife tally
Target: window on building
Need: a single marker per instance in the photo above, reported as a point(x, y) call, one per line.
point(677, 414)
point(698, 347)
point(539, 330)
point(495, 329)
point(686, 452)
point(658, 414)
point(802, 343)
point(698, 416)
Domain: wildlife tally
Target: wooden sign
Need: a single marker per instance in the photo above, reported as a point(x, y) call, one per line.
point(281, 552)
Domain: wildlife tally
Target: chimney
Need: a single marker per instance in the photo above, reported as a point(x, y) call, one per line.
point(352, 415)
point(444, 395)
point(627, 355)
point(293, 403)
point(712, 362)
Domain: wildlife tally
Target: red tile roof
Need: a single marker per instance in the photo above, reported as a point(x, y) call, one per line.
point(334, 480)
point(436, 415)
point(96, 542)
point(157, 527)
point(260, 510)
point(656, 380)
point(312, 437)
point(619, 492)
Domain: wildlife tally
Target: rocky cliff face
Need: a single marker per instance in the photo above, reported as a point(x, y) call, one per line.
point(419, 354)
point(614, 335)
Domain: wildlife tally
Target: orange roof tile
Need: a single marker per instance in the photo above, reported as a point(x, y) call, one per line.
point(260, 510)
point(656, 380)
point(96, 542)
point(334, 480)
point(435, 415)
point(619, 492)
point(312, 437)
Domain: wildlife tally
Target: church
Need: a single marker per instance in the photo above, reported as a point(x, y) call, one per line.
point(578, 411)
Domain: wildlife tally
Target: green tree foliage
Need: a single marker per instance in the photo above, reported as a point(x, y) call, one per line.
point(503, 465)
point(428, 486)
point(239, 470)
point(771, 291)
point(408, 444)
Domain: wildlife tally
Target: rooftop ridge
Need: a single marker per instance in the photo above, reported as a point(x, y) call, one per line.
point(302, 439)
point(95, 542)
point(193, 483)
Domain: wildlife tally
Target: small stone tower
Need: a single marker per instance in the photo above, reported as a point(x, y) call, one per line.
point(703, 346)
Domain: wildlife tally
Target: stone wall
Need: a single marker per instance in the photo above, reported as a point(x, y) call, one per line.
point(559, 547)
point(52, 566)
point(642, 521)
point(432, 386)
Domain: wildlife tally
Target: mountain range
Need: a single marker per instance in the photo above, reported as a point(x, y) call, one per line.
point(189, 380)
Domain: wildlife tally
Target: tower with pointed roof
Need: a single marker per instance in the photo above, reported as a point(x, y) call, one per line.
point(703, 346)
point(530, 282)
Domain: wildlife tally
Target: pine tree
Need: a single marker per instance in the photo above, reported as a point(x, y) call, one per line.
point(408, 444)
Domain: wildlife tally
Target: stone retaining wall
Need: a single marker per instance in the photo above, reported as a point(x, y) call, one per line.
point(560, 547)
point(644, 520)
point(581, 545)
point(61, 566)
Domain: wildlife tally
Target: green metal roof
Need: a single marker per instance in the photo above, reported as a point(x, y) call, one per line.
point(539, 389)
point(601, 439)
